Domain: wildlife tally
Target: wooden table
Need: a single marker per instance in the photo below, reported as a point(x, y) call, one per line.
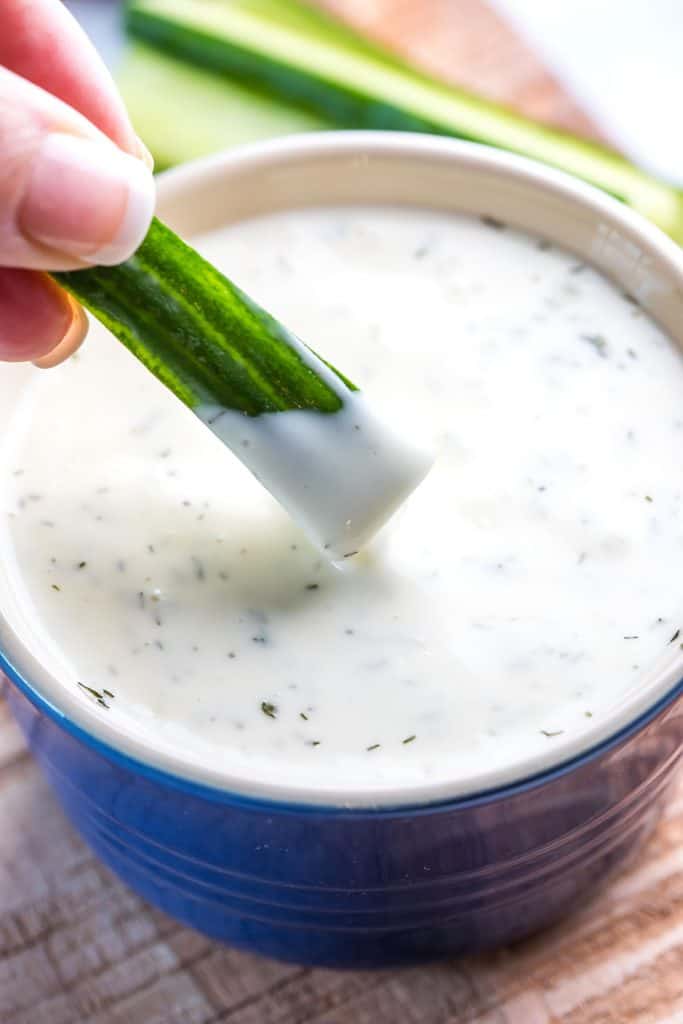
point(77, 947)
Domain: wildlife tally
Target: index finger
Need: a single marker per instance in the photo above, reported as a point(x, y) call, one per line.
point(41, 41)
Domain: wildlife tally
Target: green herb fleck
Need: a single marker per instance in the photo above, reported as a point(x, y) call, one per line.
point(55, 587)
point(408, 739)
point(599, 343)
point(588, 714)
point(95, 694)
point(675, 637)
point(374, 746)
point(547, 733)
point(82, 565)
point(312, 586)
point(631, 638)
point(648, 498)
point(269, 709)
point(302, 715)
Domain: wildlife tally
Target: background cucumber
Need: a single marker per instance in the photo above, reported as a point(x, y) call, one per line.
point(291, 52)
point(184, 112)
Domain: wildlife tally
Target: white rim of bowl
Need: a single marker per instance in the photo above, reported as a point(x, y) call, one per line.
point(653, 246)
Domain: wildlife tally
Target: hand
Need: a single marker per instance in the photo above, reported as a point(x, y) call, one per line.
point(75, 181)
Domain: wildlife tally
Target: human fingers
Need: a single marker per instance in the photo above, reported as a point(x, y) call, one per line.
point(69, 196)
point(38, 321)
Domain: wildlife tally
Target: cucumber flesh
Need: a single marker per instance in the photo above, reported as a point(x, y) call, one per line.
point(183, 112)
point(298, 55)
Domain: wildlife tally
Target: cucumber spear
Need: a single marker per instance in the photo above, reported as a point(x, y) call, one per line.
point(302, 428)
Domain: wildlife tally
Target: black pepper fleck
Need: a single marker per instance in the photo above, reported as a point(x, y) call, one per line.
point(493, 222)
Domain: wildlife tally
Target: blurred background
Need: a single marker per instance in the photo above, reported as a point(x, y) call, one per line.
point(606, 70)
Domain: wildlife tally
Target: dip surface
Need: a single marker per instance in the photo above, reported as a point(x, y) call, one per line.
point(523, 590)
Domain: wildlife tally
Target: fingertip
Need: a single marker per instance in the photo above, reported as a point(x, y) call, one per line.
point(73, 339)
point(142, 153)
point(86, 199)
point(36, 316)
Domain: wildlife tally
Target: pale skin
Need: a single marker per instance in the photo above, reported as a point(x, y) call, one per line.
point(76, 186)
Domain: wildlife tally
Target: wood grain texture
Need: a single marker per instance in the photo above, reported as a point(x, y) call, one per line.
point(77, 947)
point(467, 43)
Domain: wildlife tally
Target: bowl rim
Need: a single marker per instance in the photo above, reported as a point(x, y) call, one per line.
point(274, 804)
point(628, 717)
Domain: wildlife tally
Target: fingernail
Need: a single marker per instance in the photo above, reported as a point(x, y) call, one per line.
point(87, 199)
point(72, 340)
point(144, 154)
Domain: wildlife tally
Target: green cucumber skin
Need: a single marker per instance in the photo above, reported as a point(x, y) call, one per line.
point(343, 107)
point(184, 112)
point(201, 336)
point(353, 101)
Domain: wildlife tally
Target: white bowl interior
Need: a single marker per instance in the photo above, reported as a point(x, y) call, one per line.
point(398, 169)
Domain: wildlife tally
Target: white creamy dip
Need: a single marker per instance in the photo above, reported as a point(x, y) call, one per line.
point(521, 591)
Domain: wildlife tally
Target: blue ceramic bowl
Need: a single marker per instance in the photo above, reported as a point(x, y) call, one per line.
point(399, 876)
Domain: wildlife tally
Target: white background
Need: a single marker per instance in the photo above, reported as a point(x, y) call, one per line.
point(623, 61)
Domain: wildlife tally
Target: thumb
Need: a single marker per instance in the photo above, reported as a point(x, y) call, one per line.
point(69, 196)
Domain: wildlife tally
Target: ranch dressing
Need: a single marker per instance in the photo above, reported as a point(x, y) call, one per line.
point(520, 592)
